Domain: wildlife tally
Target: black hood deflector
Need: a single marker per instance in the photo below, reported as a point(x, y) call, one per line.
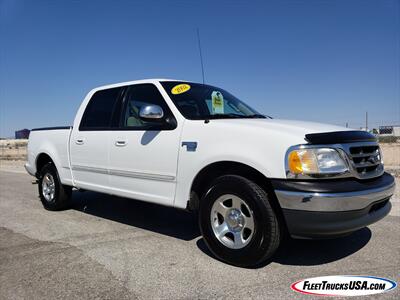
point(340, 137)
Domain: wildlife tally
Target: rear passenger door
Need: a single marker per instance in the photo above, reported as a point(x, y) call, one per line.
point(143, 154)
point(89, 141)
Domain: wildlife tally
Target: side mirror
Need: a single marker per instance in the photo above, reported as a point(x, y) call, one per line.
point(151, 113)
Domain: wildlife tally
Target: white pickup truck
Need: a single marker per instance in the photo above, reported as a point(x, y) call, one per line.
point(252, 179)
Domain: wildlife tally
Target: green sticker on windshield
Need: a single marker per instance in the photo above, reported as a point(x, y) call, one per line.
point(217, 102)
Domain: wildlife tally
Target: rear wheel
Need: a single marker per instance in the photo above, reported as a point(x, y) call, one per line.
point(53, 194)
point(238, 223)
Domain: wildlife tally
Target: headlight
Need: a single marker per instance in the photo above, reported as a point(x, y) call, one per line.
point(315, 161)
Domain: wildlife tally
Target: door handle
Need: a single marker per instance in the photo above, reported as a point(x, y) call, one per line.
point(79, 141)
point(120, 143)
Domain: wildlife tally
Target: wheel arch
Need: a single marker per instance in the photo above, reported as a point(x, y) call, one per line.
point(206, 175)
point(41, 160)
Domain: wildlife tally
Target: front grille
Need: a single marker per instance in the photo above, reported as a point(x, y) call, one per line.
point(365, 160)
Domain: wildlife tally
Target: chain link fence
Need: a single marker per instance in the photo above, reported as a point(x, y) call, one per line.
point(385, 132)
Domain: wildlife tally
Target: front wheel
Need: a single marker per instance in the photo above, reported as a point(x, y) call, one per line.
point(53, 194)
point(238, 223)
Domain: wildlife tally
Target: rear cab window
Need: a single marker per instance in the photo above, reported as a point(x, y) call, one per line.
point(99, 111)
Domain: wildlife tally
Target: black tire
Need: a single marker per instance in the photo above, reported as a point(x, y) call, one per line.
point(266, 236)
point(62, 193)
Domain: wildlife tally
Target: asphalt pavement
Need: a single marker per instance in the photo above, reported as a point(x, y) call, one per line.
point(114, 248)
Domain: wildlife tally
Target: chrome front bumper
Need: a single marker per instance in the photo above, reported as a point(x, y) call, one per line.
point(333, 202)
point(328, 209)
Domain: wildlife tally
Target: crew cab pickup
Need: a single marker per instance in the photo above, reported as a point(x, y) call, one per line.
point(251, 178)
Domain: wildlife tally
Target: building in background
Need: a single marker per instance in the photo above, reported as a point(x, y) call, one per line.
point(22, 134)
point(390, 130)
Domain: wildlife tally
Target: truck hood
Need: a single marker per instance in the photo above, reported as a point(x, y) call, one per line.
point(259, 143)
point(293, 128)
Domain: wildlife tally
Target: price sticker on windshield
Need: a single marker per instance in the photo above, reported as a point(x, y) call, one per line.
point(217, 102)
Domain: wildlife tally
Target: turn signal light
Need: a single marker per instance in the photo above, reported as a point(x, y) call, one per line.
point(303, 162)
point(295, 163)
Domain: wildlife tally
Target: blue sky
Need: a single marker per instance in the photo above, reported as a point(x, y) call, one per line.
point(326, 61)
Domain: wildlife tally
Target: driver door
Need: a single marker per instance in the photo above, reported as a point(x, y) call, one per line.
point(143, 155)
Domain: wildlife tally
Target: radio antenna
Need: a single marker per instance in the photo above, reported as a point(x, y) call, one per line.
point(201, 56)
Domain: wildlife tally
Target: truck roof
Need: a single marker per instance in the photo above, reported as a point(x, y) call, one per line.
point(150, 80)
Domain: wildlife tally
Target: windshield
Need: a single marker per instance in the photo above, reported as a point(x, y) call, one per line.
point(198, 101)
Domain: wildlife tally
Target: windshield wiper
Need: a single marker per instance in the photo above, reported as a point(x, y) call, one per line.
point(255, 116)
point(235, 116)
point(225, 116)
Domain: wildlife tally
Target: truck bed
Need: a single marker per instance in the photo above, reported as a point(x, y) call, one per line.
point(53, 141)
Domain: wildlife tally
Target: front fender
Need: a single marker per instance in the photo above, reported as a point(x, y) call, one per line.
point(258, 147)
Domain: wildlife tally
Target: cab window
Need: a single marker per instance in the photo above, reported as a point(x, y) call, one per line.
point(138, 96)
point(100, 109)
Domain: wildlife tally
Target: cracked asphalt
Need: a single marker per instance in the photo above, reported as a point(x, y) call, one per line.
point(113, 248)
